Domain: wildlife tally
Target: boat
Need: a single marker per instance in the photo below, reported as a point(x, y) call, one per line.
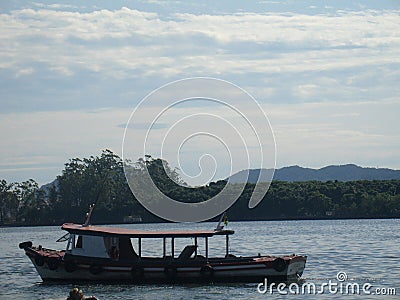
point(107, 254)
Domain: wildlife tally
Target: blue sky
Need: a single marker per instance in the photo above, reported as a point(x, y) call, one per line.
point(325, 72)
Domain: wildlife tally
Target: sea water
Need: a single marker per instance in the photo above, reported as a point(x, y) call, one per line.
point(365, 251)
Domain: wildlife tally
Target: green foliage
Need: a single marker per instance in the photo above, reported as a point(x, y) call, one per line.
point(21, 202)
point(8, 202)
point(101, 180)
point(316, 199)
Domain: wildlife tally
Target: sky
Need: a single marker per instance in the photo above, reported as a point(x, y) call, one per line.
point(325, 73)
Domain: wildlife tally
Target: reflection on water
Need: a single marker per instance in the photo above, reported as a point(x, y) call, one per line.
point(367, 250)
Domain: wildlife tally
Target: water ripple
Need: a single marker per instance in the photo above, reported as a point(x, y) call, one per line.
point(367, 250)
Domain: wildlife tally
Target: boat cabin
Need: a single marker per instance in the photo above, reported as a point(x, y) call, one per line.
point(116, 244)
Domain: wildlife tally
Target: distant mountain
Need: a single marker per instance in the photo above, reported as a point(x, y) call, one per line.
point(349, 172)
point(46, 187)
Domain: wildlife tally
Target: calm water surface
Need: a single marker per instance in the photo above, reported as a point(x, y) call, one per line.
point(367, 250)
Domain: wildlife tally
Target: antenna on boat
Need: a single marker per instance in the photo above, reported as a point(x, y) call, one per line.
point(219, 226)
point(91, 207)
point(88, 215)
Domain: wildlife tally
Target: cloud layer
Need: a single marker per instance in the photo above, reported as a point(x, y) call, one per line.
point(299, 57)
point(328, 74)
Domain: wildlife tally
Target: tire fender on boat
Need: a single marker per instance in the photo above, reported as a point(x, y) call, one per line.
point(70, 266)
point(52, 263)
point(39, 260)
point(170, 272)
point(207, 272)
point(25, 245)
point(279, 264)
point(114, 253)
point(95, 269)
point(137, 273)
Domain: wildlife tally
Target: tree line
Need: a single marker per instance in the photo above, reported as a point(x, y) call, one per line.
point(101, 179)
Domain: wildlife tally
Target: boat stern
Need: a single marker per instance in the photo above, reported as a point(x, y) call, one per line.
point(295, 266)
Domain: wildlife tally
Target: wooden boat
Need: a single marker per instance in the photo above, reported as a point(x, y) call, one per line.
point(106, 254)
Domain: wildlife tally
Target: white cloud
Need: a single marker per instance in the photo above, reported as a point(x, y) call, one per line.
point(23, 72)
point(329, 81)
point(318, 134)
point(46, 140)
point(54, 5)
point(309, 134)
point(130, 39)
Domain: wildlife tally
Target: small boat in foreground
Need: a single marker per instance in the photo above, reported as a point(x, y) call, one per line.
point(106, 254)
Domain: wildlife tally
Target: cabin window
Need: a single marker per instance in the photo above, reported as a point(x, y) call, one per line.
point(79, 242)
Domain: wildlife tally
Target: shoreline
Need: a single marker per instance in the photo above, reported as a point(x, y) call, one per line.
point(210, 221)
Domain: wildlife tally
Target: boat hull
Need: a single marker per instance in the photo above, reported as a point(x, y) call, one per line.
point(58, 266)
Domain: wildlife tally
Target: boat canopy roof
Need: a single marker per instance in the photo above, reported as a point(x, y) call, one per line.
point(125, 232)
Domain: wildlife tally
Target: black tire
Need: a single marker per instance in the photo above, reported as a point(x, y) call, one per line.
point(53, 263)
point(25, 245)
point(207, 272)
point(70, 266)
point(279, 264)
point(137, 273)
point(170, 273)
point(39, 260)
point(230, 255)
point(95, 269)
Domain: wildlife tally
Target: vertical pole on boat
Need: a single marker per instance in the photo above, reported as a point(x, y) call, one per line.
point(195, 244)
point(164, 246)
point(219, 226)
point(88, 215)
point(140, 247)
point(69, 243)
point(227, 245)
point(207, 248)
point(172, 247)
